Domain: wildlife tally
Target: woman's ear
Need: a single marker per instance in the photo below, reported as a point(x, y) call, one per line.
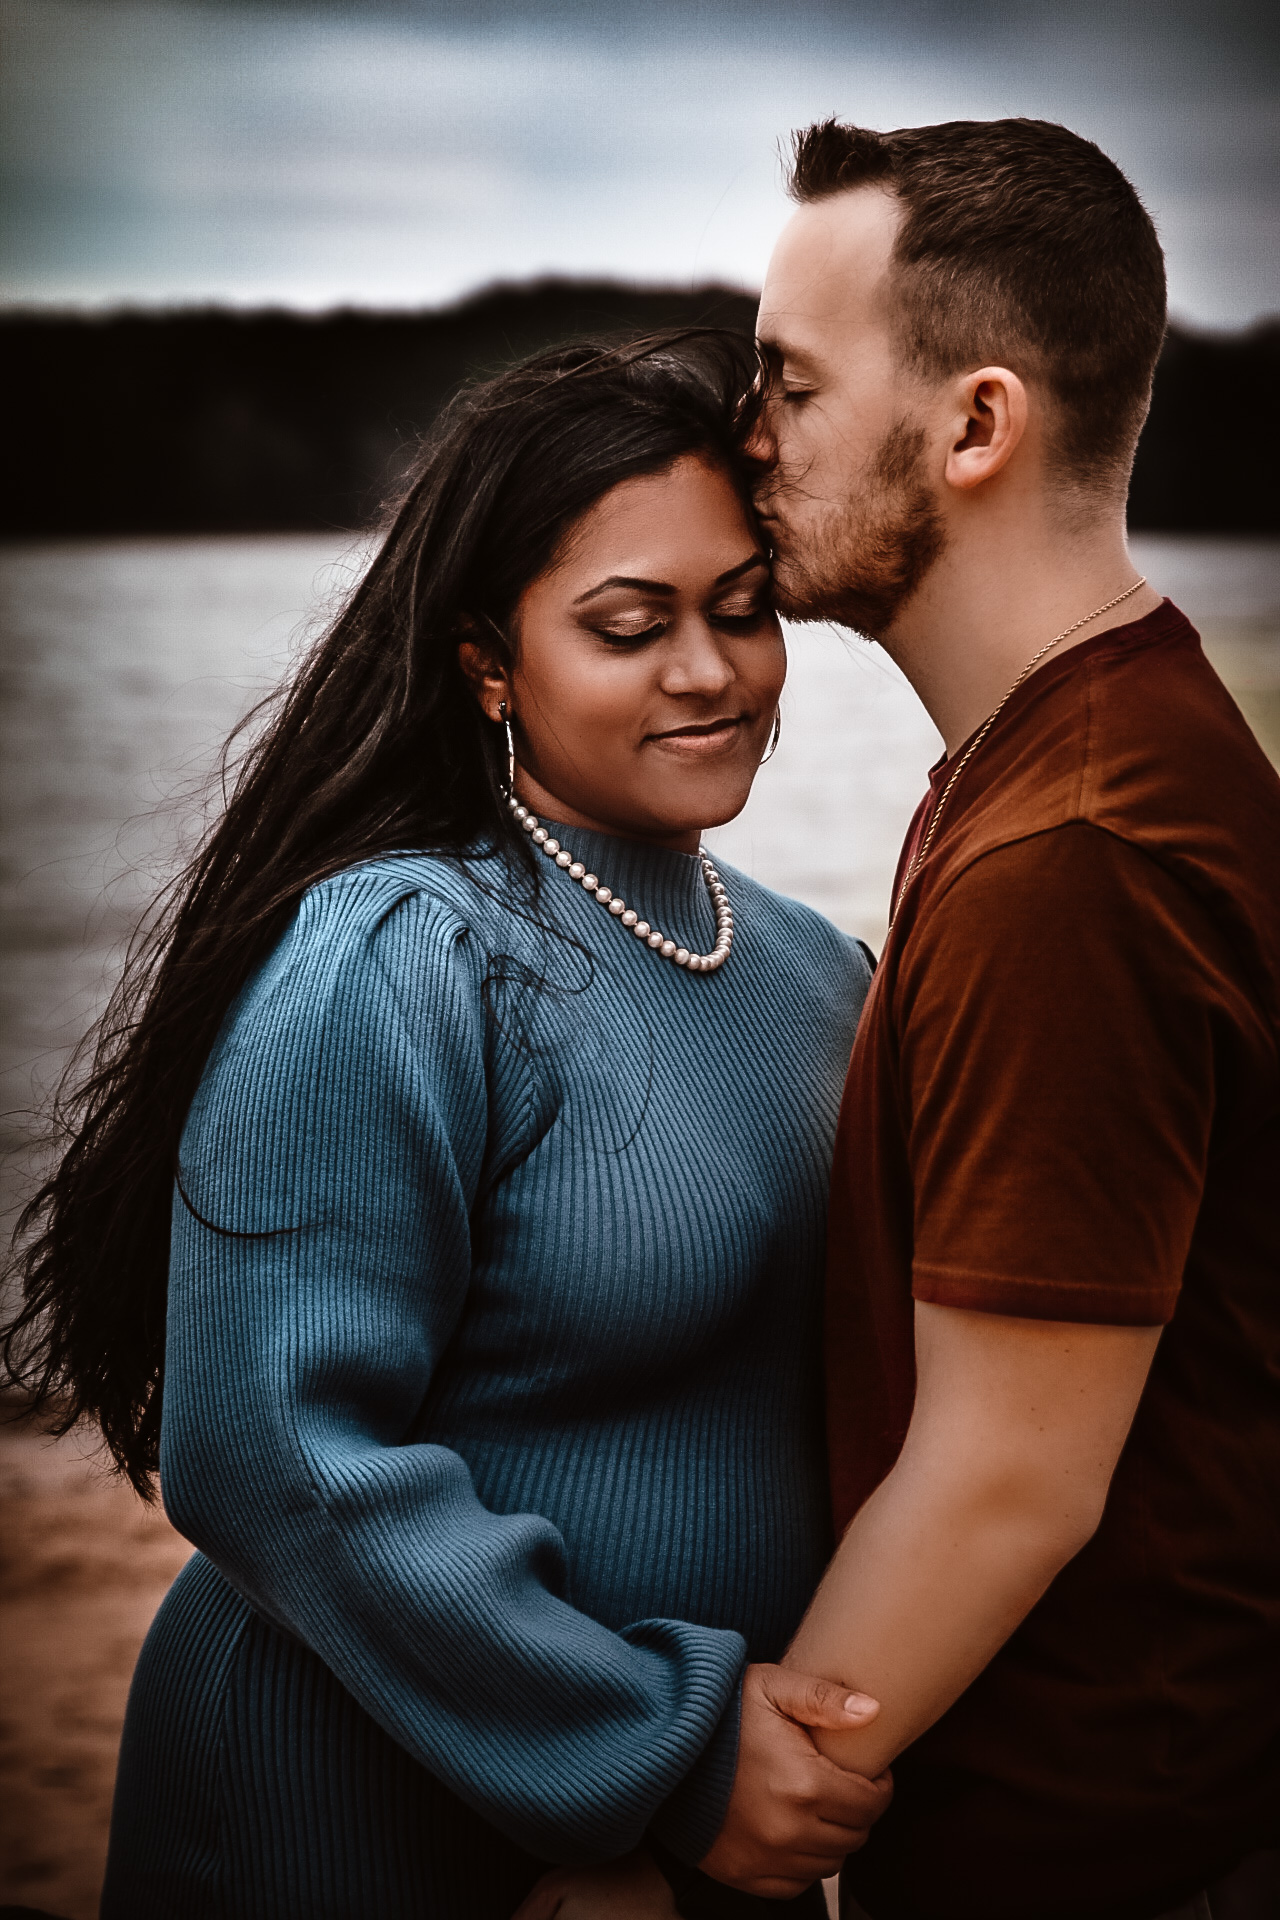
point(486, 675)
point(991, 418)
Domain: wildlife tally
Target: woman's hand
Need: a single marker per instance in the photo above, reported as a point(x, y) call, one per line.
point(629, 1889)
point(793, 1815)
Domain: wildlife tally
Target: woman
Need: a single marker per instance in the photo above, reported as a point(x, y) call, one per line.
point(490, 1387)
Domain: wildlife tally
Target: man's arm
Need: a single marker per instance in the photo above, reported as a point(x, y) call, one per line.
point(1017, 1428)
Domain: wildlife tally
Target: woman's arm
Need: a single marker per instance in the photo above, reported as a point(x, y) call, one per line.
point(1016, 1431)
point(338, 1137)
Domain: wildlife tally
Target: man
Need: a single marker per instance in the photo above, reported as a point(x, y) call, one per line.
point(1054, 1285)
point(1054, 1281)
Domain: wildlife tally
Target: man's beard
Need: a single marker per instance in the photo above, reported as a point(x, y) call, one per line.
point(861, 561)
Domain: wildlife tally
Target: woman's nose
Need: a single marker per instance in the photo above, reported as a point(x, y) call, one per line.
point(696, 664)
point(760, 444)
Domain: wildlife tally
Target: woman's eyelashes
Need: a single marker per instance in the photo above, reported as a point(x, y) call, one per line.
point(732, 616)
point(626, 634)
point(740, 619)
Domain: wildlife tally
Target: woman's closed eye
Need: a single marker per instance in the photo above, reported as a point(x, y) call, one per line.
point(741, 606)
point(632, 633)
point(738, 616)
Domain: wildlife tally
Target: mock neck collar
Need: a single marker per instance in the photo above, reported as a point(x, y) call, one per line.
point(665, 888)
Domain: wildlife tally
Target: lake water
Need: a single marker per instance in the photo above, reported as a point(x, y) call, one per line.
point(127, 662)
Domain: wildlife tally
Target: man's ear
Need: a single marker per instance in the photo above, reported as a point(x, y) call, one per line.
point(486, 675)
point(989, 422)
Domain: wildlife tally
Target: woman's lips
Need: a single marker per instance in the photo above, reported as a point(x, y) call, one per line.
point(706, 737)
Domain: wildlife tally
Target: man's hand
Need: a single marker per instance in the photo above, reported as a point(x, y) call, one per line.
point(793, 1814)
point(630, 1889)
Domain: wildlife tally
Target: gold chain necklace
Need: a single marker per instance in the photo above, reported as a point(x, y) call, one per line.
point(978, 738)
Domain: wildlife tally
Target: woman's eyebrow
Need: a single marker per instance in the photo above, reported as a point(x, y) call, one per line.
point(624, 580)
point(752, 561)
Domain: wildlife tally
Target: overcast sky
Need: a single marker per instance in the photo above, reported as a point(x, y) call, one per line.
point(403, 154)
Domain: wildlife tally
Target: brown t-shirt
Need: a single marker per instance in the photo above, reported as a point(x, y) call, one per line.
point(1064, 1104)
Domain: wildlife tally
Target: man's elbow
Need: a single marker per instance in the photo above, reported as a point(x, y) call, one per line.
point(1071, 1525)
point(1050, 1512)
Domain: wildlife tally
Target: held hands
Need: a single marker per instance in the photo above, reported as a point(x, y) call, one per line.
point(793, 1814)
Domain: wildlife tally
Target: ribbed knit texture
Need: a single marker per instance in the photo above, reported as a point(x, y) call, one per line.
point(494, 1408)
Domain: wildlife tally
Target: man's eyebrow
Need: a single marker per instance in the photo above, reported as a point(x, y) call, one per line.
point(664, 587)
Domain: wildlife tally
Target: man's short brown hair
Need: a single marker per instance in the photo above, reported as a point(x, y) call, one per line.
point(1021, 245)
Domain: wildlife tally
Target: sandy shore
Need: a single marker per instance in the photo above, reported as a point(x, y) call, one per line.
point(83, 1567)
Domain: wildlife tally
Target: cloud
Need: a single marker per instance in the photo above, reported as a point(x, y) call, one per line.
point(401, 154)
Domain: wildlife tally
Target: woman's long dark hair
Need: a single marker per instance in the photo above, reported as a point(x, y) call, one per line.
point(376, 744)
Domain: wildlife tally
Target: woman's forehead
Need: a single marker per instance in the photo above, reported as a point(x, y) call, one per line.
point(691, 517)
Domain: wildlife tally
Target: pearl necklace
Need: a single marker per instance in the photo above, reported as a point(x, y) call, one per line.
point(627, 916)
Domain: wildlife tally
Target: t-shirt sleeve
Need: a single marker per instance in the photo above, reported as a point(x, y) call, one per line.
point(1058, 1073)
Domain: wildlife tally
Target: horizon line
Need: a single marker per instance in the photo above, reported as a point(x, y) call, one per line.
point(107, 311)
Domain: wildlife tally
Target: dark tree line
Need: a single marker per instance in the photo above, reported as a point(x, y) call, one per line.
point(217, 421)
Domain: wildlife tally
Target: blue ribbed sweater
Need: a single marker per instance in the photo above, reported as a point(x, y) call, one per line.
point(492, 1396)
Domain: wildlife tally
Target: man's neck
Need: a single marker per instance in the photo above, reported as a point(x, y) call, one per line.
point(991, 602)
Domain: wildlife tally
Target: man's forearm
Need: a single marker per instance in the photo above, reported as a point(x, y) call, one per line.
point(1003, 1478)
point(928, 1584)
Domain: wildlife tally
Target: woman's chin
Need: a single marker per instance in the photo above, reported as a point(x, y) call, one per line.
point(713, 806)
point(674, 804)
point(707, 789)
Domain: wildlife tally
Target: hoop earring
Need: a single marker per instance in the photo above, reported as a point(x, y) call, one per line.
point(511, 749)
point(774, 737)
